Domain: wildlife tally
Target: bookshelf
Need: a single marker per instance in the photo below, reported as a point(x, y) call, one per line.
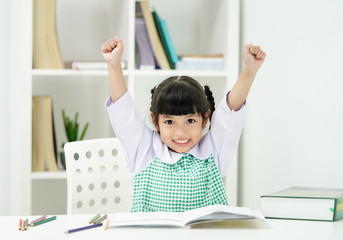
point(196, 27)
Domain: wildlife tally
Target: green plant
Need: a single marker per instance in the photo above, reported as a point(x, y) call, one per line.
point(71, 127)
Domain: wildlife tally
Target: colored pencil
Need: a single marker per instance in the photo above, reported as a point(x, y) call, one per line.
point(43, 221)
point(100, 219)
point(20, 224)
point(38, 219)
point(94, 218)
point(107, 222)
point(23, 225)
point(83, 228)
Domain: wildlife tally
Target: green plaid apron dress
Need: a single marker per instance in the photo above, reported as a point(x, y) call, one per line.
point(187, 184)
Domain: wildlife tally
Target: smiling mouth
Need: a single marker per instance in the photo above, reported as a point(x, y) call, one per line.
point(182, 141)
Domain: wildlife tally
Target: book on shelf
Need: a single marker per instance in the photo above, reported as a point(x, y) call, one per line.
point(92, 65)
point(212, 213)
point(208, 62)
point(170, 44)
point(46, 48)
point(166, 40)
point(153, 36)
point(44, 155)
point(144, 52)
point(305, 203)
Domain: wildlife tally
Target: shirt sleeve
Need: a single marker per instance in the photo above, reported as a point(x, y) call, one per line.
point(226, 129)
point(129, 126)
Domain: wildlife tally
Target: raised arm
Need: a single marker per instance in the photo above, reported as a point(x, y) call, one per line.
point(112, 51)
point(253, 59)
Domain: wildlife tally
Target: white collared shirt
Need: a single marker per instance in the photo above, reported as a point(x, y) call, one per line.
point(142, 144)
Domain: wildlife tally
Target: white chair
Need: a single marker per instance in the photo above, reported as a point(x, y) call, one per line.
point(98, 177)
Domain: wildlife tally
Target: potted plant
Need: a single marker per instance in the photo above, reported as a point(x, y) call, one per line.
point(71, 127)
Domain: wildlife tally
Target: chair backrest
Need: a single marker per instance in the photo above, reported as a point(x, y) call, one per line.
point(98, 177)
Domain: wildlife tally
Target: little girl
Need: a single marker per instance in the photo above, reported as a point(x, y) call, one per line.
point(175, 168)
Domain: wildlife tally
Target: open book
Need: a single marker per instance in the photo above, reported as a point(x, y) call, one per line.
point(182, 219)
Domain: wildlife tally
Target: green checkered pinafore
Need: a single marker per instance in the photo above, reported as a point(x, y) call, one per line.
point(187, 184)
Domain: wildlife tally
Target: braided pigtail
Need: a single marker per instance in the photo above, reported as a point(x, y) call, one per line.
point(152, 92)
point(210, 99)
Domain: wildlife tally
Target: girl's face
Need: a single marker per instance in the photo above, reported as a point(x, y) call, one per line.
point(180, 133)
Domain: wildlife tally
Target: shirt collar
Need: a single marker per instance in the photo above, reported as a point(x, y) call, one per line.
point(200, 151)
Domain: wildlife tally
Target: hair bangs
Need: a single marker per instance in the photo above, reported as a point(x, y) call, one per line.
point(178, 100)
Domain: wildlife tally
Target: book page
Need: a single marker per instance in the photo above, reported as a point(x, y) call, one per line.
point(217, 213)
point(152, 219)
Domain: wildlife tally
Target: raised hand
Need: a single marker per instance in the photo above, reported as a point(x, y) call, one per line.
point(253, 56)
point(112, 51)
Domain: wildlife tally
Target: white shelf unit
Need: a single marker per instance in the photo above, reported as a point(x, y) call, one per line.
point(49, 175)
point(196, 27)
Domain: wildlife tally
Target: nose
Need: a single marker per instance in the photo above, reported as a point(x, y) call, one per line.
point(180, 131)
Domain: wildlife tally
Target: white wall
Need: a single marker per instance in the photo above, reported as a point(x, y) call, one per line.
point(4, 29)
point(15, 67)
point(294, 128)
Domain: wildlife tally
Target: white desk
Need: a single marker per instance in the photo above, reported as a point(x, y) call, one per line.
point(251, 229)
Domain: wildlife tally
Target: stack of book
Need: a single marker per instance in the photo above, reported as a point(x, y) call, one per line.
point(154, 46)
point(92, 65)
point(201, 62)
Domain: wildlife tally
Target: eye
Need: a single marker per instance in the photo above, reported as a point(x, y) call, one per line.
point(168, 122)
point(190, 121)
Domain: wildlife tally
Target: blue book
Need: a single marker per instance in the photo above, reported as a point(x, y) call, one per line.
point(157, 21)
point(169, 41)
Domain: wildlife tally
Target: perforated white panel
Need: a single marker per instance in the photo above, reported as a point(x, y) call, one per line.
point(99, 180)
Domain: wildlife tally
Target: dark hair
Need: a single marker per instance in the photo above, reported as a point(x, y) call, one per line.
point(181, 95)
